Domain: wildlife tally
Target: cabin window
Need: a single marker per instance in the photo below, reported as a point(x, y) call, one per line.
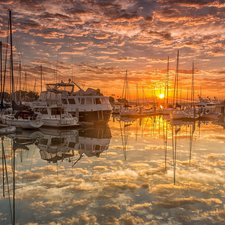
point(43, 111)
point(97, 101)
point(71, 145)
point(107, 100)
point(97, 147)
point(89, 147)
point(82, 102)
point(64, 101)
point(36, 110)
point(43, 141)
point(103, 101)
point(82, 147)
point(55, 111)
point(71, 101)
point(88, 100)
point(57, 141)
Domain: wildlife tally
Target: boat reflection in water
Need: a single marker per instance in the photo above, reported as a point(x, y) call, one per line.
point(58, 145)
point(155, 172)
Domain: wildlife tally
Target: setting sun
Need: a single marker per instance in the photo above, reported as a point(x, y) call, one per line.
point(161, 96)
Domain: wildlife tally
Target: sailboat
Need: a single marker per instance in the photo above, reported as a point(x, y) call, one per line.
point(179, 113)
point(127, 110)
point(24, 118)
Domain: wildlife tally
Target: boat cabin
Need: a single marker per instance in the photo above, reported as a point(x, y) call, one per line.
point(87, 100)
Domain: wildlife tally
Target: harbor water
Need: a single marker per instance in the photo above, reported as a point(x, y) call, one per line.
point(132, 171)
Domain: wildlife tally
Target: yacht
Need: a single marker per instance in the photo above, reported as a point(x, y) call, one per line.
point(88, 106)
point(55, 116)
point(117, 107)
point(206, 105)
point(184, 114)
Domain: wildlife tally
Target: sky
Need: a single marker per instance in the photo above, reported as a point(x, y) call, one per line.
point(95, 42)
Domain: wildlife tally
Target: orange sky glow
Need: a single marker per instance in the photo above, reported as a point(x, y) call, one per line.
point(94, 43)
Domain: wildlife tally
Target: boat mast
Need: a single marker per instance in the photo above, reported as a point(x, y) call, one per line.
point(41, 78)
point(11, 56)
point(1, 65)
point(192, 87)
point(20, 81)
point(167, 82)
point(175, 91)
point(126, 94)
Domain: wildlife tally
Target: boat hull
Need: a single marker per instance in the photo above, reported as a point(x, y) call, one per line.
point(93, 117)
point(68, 122)
point(25, 124)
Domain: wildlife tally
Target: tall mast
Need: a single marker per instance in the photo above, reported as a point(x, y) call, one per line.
point(1, 65)
point(20, 81)
point(177, 75)
point(126, 94)
point(167, 82)
point(175, 91)
point(192, 86)
point(11, 56)
point(41, 78)
point(137, 100)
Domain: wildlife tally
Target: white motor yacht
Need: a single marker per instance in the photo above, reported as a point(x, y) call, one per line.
point(206, 105)
point(88, 106)
point(55, 116)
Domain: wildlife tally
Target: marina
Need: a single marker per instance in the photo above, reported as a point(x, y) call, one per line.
point(112, 112)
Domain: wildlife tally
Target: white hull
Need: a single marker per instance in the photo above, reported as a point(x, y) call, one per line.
point(7, 130)
point(25, 124)
point(129, 112)
point(54, 116)
point(57, 122)
point(10, 120)
point(180, 114)
point(167, 111)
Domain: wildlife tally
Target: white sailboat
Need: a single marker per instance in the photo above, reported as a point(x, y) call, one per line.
point(26, 119)
point(169, 108)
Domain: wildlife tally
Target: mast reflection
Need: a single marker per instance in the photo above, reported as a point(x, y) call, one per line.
point(11, 147)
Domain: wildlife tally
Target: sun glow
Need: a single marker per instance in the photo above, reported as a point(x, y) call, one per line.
point(161, 96)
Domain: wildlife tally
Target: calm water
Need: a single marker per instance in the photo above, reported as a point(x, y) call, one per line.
point(145, 171)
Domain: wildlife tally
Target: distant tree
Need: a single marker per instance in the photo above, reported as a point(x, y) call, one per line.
point(6, 96)
point(111, 100)
point(122, 100)
point(33, 95)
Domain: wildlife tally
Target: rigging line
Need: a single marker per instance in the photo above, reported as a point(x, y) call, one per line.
point(18, 47)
